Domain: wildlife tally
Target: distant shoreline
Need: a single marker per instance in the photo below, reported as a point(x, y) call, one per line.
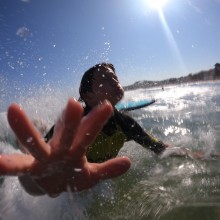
point(185, 83)
point(211, 75)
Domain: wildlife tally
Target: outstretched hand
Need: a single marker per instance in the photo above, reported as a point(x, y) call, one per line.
point(60, 165)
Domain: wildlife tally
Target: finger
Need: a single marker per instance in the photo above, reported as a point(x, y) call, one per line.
point(66, 127)
point(111, 168)
point(15, 164)
point(26, 133)
point(89, 127)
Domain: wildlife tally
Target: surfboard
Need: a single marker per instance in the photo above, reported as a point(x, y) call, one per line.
point(132, 105)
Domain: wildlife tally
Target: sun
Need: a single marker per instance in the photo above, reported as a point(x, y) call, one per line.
point(157, 4)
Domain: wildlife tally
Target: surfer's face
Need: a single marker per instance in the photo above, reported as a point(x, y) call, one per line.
point(105, 85)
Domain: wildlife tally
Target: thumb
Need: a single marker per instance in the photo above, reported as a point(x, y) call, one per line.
point(112, 168)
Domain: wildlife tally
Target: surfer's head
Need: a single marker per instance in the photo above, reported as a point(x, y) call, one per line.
point(99, 83)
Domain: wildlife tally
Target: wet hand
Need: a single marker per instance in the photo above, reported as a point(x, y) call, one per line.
point(61, 165)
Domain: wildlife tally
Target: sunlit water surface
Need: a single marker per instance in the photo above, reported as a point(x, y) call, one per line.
point(154, 188)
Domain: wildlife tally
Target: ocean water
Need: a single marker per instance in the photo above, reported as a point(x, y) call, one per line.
point(154, 188)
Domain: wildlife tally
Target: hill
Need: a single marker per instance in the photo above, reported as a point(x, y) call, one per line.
point(204, 75)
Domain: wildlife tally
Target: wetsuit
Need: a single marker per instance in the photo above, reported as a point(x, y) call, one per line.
point(119, 129)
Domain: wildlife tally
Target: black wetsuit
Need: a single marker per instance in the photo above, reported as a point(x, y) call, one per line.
point(119, 129)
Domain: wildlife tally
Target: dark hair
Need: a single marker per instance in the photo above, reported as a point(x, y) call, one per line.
point(88, 77)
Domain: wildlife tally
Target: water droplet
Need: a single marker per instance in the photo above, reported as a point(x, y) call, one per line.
point(77, 170)
point(30, 139)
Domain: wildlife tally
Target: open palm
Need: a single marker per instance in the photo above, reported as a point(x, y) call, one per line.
point(60, 164)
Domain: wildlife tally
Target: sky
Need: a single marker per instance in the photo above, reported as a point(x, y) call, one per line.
point(45, 42)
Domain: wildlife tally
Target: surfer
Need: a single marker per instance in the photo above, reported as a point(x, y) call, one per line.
point(60, 165)
point(101, 83)
point(65, 162)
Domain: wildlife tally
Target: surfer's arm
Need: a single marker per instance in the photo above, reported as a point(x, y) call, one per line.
point(148, 141)
point(135, 132)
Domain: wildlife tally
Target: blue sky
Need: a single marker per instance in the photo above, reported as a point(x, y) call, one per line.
point(55, 41)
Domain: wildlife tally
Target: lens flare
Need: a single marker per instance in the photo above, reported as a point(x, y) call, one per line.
point(157, 4)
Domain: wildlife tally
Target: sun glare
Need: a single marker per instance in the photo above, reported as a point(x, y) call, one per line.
point(157, 4)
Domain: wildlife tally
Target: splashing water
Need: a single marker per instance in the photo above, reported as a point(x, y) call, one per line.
point(154, 188)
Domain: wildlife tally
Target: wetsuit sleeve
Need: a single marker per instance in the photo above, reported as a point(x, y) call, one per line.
point(49, 134)
point(134, 131)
